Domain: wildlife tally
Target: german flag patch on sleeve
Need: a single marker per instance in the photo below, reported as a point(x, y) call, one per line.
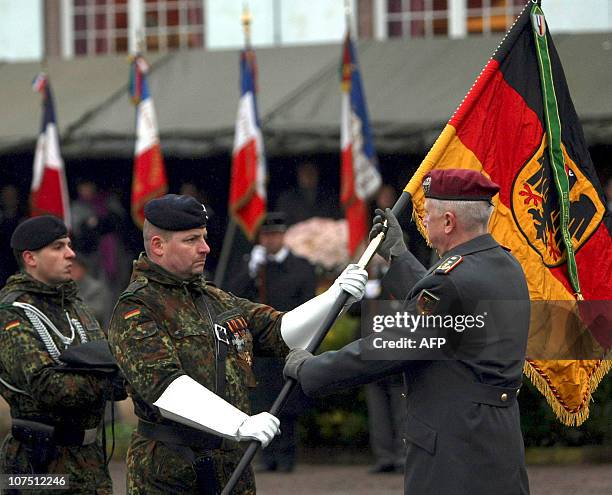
point(131, 314)
point(12, 324)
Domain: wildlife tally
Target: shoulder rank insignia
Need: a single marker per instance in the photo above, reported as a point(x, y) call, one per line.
point(426, 302)
point(131, 313)
point(12, 324)
point(449, 264)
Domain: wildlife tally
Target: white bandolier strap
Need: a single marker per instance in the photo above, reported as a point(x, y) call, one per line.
point(187, 402)
point(42, 324)
point(300, 325)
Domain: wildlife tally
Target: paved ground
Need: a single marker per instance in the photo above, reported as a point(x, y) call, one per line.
point(317, 479)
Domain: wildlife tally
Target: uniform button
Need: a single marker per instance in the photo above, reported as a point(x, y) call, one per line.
point(403, 396)
point(504, 397)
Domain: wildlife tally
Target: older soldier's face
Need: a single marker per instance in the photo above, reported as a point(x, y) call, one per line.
point(185, 252)
point(434, 224)
point(51, 264)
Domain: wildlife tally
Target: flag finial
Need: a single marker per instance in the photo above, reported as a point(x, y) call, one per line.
point(246, 19)
point(347, 13)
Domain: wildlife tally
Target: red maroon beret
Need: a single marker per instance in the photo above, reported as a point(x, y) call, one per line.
point(459, 184)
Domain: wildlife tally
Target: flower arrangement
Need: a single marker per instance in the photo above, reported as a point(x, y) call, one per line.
point(322, 241)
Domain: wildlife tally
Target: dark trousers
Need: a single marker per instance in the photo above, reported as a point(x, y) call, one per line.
point(280, 454)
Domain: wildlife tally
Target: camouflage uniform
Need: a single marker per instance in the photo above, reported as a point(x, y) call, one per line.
point(158, 334)
point(68, 400)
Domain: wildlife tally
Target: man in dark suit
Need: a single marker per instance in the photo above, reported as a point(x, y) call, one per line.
point(276, 277)
point(462, 430)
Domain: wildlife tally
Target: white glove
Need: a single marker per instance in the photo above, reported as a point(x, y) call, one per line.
point(187, 402)
point(299, 325)
point(262, 427)
point(353, 280)
point(257, 258)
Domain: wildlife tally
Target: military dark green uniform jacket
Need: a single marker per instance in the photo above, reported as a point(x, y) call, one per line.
point(32, 383)
point(159, 333)
point(463, 431)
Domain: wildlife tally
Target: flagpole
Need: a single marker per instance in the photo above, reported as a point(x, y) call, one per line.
point(230, 233)
point(226, 249)
point(400, 205)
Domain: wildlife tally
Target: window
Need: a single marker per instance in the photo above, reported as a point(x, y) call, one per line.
point(173, 24)
point(417, 18)
point(427, 18)
point(100, 27)
point(492, 16)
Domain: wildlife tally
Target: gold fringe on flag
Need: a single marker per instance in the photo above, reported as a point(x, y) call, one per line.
point(567, 415)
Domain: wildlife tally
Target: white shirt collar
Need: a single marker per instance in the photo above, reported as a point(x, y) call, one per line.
point(280, 256)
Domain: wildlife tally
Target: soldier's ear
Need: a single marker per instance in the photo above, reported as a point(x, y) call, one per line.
point(450, 222)
point(157, 245)
point(29, 259)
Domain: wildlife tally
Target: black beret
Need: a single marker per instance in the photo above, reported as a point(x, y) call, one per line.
point(176, 212)
point(275, 221)
point(38, 232)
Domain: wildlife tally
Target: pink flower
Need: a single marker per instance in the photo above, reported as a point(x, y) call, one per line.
point(322, 241)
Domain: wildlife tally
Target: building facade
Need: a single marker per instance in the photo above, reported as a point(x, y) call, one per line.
point(33, 29)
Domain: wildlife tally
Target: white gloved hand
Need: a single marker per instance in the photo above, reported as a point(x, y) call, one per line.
point(261, 427)
point(352, 280)
point(301, 324)
point(257, 258)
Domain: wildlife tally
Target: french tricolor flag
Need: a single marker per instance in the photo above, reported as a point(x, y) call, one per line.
point(249, 172)
point(48, 192)
point(359, 175)
point(149, 180)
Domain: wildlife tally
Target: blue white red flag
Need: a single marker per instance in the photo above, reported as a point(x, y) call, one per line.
point(359, 176)
point(48, 192)
point(249, 171)
point(149, 180)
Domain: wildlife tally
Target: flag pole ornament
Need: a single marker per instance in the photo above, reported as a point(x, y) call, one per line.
point(359, 175)
point(48, 191)
point(149, 179)
point(517, 125)
point(247, 196)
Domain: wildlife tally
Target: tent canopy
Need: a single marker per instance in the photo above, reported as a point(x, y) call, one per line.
point(412, 88)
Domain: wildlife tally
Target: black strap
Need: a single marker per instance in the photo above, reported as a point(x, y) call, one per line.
point(178, 434)
point(12, 296)
point(135, 285)
point(221, 341)
point(29, 431)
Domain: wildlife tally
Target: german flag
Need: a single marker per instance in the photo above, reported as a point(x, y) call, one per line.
point(518, 126)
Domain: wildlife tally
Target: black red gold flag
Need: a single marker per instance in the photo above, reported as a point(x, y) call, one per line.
point(518, 126)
